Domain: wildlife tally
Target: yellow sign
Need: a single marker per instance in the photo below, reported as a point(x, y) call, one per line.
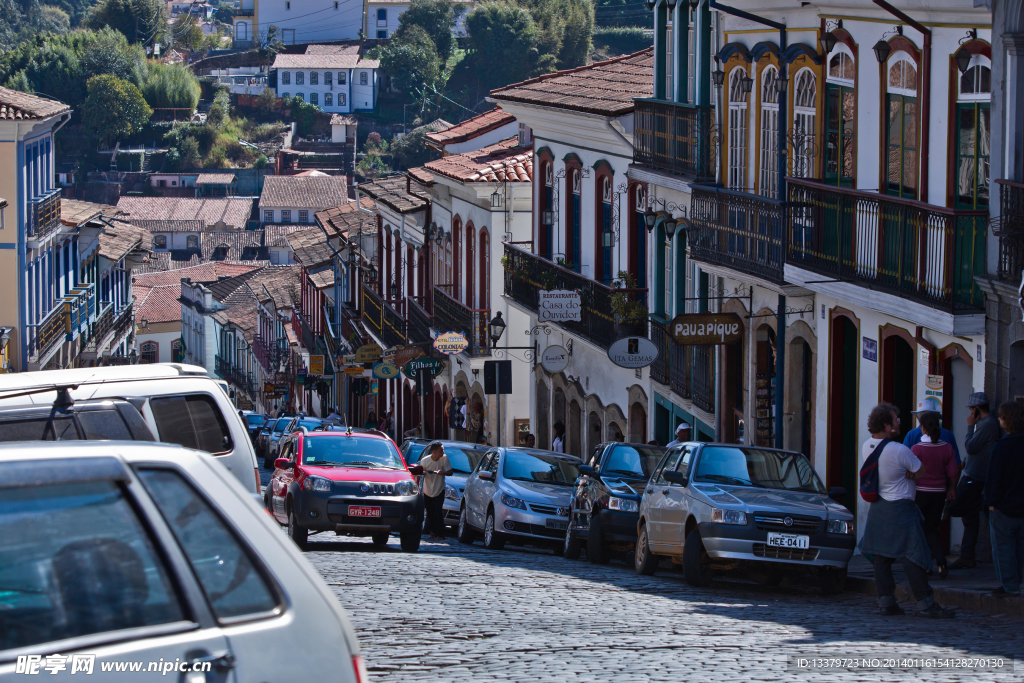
point(353, 371)
point(316, 365)
point(451, 343)
point(369, 353)
point(385, 371)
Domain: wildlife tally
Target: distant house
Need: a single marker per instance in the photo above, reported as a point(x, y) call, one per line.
point(480, 131)
point(294, 199)
point(337, 78)
point(382, 18)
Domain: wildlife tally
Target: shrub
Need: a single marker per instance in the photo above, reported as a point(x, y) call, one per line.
point(171, 86)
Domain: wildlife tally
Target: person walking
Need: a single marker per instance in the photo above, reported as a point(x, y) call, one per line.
point(558, 443)
point(893, 530)
point(371, 421)
point(531, 441)
point(931, 405)
point(1004, 498)
point(937, 483)
point(982, 434)
point(683, 432)
point(435, 468)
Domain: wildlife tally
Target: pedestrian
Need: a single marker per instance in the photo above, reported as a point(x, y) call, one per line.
point(982, 434)
point(558, 443)
point(653, 442)
point(931, 405)
point(371, 421)
point(435, 468)
point(893, 530)
point(335, 415)
point(531, 441)
point(1004, 498)
point(683, 433)
point(937, 483)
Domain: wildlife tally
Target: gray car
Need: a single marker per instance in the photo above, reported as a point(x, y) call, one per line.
point(717, 507)
point(519, 495)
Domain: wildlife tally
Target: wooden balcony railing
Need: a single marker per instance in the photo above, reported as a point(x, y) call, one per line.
point(1010, 229)
point(381, 320)
point(920, 251)
point(44, 214)
point(680, 139)
point(451, 316)
point(420, 322)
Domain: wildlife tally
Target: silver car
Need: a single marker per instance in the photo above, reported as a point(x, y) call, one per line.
point(519, 495)
point(721, 506)
point(463, 456)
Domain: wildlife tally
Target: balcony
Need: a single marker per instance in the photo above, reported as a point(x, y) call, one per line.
point(526, 275)
point(918, 251)
point(237, 376)
point(1010, 229)
point(43, 214)
point(452, 316)
point(124, 323)
point(242, 12)
point(679, 139)
point(420, 321)
point(381, 320)
point(738, 230)
point(687, 370)
point(48, 335)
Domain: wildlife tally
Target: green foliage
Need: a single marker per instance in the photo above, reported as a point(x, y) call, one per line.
point(24, 20)
point(304, 114)
point(142, 21)
point(189, 153)
point(19, 82)
point(171, 86)
point(411, 60)
point(52, 20)
point(624, 39)
point(565, 28)
point(623, 13)
point(374, 162)
point(261, 162)
point(436, 18)
point(266, 101)
point(220, 109)
point(409, 150)
point(187, 32)
point(114, 109)
point(503, 40)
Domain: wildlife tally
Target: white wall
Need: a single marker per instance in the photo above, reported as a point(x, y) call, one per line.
point(163, 340)
point(311, 21)
point(356, 96)
point(276, 218)
point(489, 138)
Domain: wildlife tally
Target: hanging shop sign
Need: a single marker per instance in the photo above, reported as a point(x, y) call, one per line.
point(406, 354)
point(385, 370)
point(368, 353)
point(354, 370)
point(451, 343)
point(706, 329)
point(633, 352)
point(434, 365)
point(559, 306)
point(316, 365)
point(554, 359)
point(388, 355)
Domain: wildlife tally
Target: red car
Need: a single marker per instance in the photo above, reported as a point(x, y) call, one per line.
point(351, 483)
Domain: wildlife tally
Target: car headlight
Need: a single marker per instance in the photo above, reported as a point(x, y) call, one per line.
point(622, 504)
point(405, 488)
point(314, 483)
point(720, 516)
point(841, 526)
point(452, 493)
point(512, 502)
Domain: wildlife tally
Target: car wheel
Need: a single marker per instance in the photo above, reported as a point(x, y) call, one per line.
point(493, 539)
point(380, 540)
point(832, 580)
point(465, 533)
point(644, 561)
point(696, 561)
point(596, 552)
point(773, 577)
point(410, 541)
point(572, 546)
point(297, 533)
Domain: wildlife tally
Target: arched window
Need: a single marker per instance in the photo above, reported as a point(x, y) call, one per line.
point(314, 78)
point(547, 209)
point(286, 78)
point(191, 242)
point(470, 265)
point(313, 97)
point(804, 103)
point(176, 355)
point(328, 77)
point(241, 31)
point(485, 269)
point(456, 289)
point(300, 78)
point(768, 178)
point(973, 131)
point(603, 231)
point(901, 128)
point(840, 108)
point(396, 277)
point(572, 237)
point(737, 130)
point(149, 352)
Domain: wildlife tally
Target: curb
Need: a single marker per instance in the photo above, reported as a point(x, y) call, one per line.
point(975, 600)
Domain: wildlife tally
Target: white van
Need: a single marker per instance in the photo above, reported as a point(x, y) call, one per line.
point(183, 405)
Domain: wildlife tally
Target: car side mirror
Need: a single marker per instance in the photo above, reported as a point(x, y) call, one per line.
point(674, 477)
point(837, 493)
point(587, 470)
point(487, 475)
point(416, 470)
point(283, 464)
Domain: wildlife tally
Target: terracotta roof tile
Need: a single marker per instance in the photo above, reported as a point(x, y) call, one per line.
point(242, 245)
point(119, 239)
point(471, 128)
point(606, 88)
point(347, 59)
point(421, 175)
point(275, 234)
point(435, 126)
point(500, 162)
point(281, 282)
point(310, 247)
point(159, 304)
point(347, 219)
point(201, 272)
point(304, 192)
point(75, 212)
point(216, 178)
point(170, 225)
point(234, 211)
point(392, 192)
point(323, 279)
point(342, 119)
point(20, 106)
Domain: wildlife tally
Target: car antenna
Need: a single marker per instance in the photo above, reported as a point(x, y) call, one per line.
point(348, 431)
point(60, 405)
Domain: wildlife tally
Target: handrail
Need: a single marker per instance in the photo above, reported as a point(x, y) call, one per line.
point(878, 196)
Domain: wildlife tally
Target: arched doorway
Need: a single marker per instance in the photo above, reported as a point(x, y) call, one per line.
point(593, 432)
point(897, 379)
point(543, 407)
point(575, 442)
point(615, 432)
point(1016, 381)
point(799, 396)
point(764, 387)
point(842, 409)
point(558, 412)
point(637, 424)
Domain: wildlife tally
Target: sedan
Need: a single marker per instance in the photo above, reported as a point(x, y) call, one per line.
point(519, 495)
point(717, 507)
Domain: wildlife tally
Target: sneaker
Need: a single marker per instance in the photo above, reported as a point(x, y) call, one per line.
point(891, 611)
point(1003, 593)
point(935, 612)
point(961, 563)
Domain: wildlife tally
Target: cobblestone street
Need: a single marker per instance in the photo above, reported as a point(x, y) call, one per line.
point(458, 613)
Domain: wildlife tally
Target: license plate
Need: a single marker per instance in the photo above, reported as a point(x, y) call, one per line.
point(363, 511)
point(789, 541)
point(556, 524)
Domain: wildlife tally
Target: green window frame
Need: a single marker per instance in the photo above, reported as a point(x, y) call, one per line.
point(901, 158)
point(839, 149)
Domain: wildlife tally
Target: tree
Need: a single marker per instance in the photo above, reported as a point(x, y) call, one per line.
point(409, 150)
point(109, 52)
point(52, 20)
point(266, 101)
point(437, 18)
point(186, 32)
point(189, 151)
point(503, 41)
point(270, 44)
point(171, 86)
point(411, 60)
point(114, 109)
point(141, 21)
point(577, 34)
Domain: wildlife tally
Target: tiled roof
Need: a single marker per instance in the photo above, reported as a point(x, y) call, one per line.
point(310, 247)
point(392, 192)
point(347, 219)
point(119, 239)
point(605, 88)
point(275, 234)
point(216, 178)
point(500, 162)
point(243, 245)
point(20, 106)
point(160, 261)
point(159, 304)
point(234, 211)
point(226, 285)
point(75, 212)
point(241, 312)
point(323, 279)
point(471, 128)
point(421, 175)
point(308, 192)
point(282, 283)
point(170, 225)
point(342, 119)
point(435, 126)
point(325, 61)
point(202, 272)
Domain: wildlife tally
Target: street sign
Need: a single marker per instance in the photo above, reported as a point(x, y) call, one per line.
point(435, 365)
point(301, 376)
point(357, 370)
point(406, 354)
point(373, 387)
point(706, 329)
point(368, 353)
point(269, 388)
point(498, 377)
point(281, 388)
point(560, 305)
point(388, 355)
point(316, 365)
point(633, 352)
point(349, 359)
point(554, 359)
point(385, 371)
point(451, 343)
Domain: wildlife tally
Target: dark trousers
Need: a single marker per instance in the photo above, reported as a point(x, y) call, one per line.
point(886, 585)
point(968, 506)
point(1008, 549)
point(435, 514)
point(931, 504)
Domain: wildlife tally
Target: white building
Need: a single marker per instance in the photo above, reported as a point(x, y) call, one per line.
point(297, 21)
point(294, 199)
point(336, 78)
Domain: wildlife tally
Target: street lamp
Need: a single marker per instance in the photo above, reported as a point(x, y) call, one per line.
point(746, 83)
point(963, 59)
point(650, 218)
point(670, 227)
point(882, 51)
point(372, 276)
point(547, 217)
point(496, 327)
point(496, 200)
point(718, 76)
point(828, 42)
point(607, 238)
point(394, 290)
point(781, 84)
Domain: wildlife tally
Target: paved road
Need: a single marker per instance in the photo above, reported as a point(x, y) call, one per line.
point(458, 613)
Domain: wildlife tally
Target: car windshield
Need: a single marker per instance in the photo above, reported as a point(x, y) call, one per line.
point(757, 467)
point(281, 424)
point(463, 460)
point(309, 424)
point(254, 419)
point(520, 466)
point(337, 451)
point(632, 461)
point(414, 451)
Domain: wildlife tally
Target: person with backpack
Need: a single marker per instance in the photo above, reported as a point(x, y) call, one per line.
point(937, 482)
point(894, 530)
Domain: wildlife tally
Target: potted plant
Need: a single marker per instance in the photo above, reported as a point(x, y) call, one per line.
point(626, 306)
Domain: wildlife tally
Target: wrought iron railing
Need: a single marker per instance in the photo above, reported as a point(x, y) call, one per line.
point(222, 366)
point(242, 12)
point(44, 214)
point(124, 324)
point(679, 370)
point(1009, 228)
point(382, 320)
point(526, 275)
point(738, 230)
point(915, 250)
point(102, 327)
point(681, 139)
point(452, 316)
point(419, 322)
point(662, 340)
point(266, 355)
point(703, 377)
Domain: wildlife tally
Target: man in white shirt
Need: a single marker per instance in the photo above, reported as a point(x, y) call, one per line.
point(558, 443)
point(435, 468)
point(893, 530)
point(683, 434)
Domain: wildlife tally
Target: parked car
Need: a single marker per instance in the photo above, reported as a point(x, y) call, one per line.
point(154, 552)
point(103, 419)
point(351, 483)
point(294, 428)
point(263, 439)
point(281, 427)
point(718, 507)
point(254, 423)
point(519, 495)
point(181, 404)
point(463, 456)
point(605, 504)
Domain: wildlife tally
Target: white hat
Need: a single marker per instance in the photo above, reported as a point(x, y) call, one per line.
point(682, 427)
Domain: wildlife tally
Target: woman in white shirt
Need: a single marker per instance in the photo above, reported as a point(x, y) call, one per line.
point(558, 443)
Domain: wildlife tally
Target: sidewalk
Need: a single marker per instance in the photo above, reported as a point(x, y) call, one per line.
point(969, 589)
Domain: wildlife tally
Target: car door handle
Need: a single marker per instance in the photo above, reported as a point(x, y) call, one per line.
point(220, 662)
point(664, 492)
point(650, 490)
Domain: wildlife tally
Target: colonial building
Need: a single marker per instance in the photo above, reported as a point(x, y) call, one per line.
point(337, 78)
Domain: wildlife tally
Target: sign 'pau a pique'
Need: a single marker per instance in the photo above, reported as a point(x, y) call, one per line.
point(706, 329)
